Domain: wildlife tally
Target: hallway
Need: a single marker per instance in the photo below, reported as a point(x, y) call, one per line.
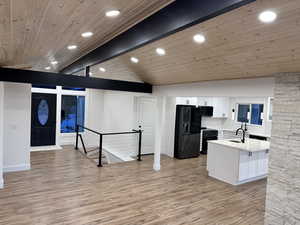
point(64, 187)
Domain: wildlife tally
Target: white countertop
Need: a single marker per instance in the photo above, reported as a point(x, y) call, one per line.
point(250, 145)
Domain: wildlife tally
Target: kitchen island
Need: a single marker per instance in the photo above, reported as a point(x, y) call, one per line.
point(235, 162)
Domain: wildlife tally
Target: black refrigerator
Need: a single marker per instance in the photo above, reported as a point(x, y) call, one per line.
point(187, 131)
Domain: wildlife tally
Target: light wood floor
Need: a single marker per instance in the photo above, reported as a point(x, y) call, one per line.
point(64, 188)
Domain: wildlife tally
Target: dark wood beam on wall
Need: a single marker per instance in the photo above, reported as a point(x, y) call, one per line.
point(175, 17)
point(56, 79)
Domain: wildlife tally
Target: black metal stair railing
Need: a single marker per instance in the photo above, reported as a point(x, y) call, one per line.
point(101, 135)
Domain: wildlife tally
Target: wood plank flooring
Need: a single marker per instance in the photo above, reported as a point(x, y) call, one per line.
point(65, 188)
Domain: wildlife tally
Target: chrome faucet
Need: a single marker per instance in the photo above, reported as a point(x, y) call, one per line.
point(244, 133)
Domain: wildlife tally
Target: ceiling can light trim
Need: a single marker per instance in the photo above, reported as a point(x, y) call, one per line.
point(102, 69)
point(134, 59)
point(87, 34)
point(199, 38)
point(112, 13)
point(72, 47)
point(267, 16)
point(161, 51)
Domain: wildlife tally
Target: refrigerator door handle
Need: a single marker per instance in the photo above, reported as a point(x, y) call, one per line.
point(186, 128)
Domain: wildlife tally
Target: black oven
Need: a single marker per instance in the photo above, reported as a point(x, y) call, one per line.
point(208, 135)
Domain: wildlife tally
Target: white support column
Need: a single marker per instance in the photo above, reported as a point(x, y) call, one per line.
point(1, 134)
point(160, 121)
point(58, 116)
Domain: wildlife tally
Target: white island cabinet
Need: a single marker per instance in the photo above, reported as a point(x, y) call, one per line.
point(236, 163)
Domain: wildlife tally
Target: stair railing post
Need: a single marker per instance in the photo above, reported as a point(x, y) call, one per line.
point(82, 142)
point(100, 151)
point(140, 145)
point(77, 134)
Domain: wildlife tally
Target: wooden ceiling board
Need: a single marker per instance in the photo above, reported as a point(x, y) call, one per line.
point(121, 71)
point(238, 46)
point(4, 27)
point(34, 32)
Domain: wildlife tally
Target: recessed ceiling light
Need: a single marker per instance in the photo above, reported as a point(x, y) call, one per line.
point(87, 34)
point(48, 68)
point(90, 73)
point(134, 60)
point(199, 38)
point(54, 62)
point(72, 47)
point(102, 69)
point(112, 13)
point(267, 16)
point(160, 51)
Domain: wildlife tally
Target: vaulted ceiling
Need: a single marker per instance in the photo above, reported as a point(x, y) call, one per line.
point(237, 45)
point(35, 32)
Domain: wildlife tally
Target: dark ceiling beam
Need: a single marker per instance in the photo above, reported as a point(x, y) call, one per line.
point(177, 16)
point(49, 79)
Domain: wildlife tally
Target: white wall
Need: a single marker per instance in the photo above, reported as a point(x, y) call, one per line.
point(1, 133)
point(94, 115)
point(109, 111)
point(213, 123)
point(230, 88)
point(16, 126)
point(119, 116)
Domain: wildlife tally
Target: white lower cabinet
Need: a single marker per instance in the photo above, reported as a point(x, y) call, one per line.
point(244, 166)
point(252, 165)
point(236, 166)
point(263, 163)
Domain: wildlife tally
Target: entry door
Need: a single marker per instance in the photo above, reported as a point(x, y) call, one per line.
point(43, 119)
point(146, 119)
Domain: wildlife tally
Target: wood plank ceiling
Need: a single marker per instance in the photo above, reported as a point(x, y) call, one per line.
point(238, 46)
point(35, 32)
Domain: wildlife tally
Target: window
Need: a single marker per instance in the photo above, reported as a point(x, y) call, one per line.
point(44, 86)
point(257, 114)
point(73, 89)
point(250, 113)
point(72, 113)
point(243, 111)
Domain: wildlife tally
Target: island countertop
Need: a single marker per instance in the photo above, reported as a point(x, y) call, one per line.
point(250, 145)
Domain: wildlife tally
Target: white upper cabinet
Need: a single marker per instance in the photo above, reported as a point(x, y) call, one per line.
point(220, 104)
point(186, 101)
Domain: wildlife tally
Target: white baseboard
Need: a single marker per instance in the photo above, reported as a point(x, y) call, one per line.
point(16, 168)
point(1, 183)
point(45, 148)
